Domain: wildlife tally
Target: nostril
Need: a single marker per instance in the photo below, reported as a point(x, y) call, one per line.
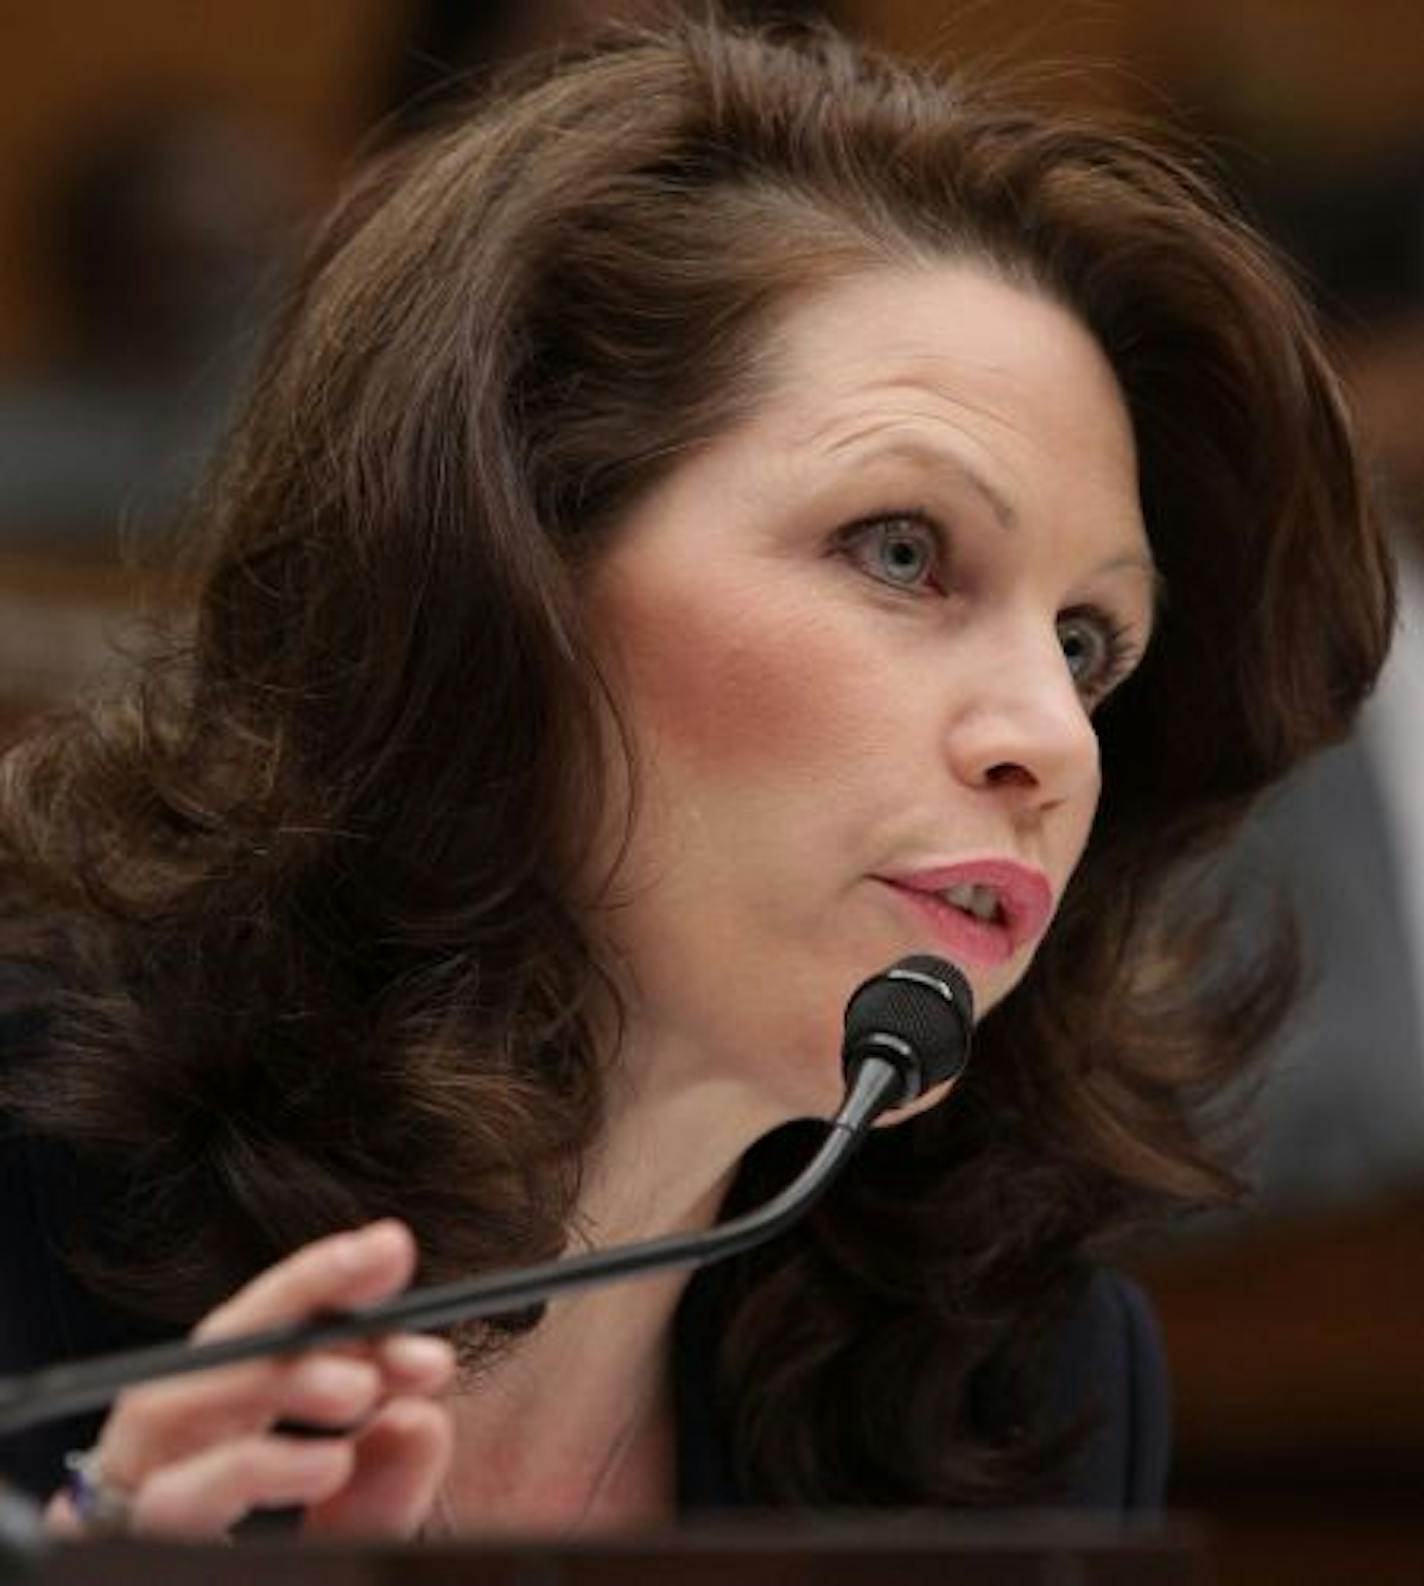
point(1009, 774)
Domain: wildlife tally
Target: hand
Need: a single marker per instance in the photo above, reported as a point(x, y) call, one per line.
point(195, 1454)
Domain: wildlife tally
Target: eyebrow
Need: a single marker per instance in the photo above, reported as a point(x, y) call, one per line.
point(913, 449)
point(925, 453)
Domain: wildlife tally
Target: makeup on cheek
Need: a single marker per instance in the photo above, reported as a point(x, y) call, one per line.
point(735, 687)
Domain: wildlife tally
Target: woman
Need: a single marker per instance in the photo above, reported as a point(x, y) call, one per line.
point(711, 523)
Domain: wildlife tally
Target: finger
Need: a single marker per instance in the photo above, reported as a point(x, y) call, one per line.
point(206, 1495)
point(415, 1364)
point(330, 1388)
point(401, 1457)
point(167, 1422)
point(61, 1518)
point(162, 1421)
point(343, 1270)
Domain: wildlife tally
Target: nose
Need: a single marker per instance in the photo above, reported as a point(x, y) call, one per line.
point(1022, 727)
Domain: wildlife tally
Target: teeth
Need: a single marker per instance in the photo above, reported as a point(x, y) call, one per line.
point(983, 902)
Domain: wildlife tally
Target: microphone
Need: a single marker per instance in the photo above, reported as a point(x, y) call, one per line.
point(918, 1016)
point(907, 1030)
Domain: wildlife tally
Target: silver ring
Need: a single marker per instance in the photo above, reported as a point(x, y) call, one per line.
point(103, 1508)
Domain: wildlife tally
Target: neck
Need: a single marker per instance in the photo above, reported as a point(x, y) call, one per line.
point(572, 1428)
point(544, 1441)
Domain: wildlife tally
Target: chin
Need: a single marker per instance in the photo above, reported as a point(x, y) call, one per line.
point(931, 1098)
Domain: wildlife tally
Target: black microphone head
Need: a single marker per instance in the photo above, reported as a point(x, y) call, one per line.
point(919, 1014)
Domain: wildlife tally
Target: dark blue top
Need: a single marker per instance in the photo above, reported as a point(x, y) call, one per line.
point(1108, 1360)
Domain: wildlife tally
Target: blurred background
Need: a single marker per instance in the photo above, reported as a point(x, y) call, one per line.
point(158, 162)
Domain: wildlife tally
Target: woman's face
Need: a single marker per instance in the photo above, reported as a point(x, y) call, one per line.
point(858, 642)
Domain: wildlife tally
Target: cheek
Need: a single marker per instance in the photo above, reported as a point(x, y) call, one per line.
point(732, 690)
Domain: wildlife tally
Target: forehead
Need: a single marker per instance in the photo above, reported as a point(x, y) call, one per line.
point(955, 356)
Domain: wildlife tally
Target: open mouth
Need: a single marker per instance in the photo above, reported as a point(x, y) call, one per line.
point(973, 931)
point(979, 901)
point(981, 911)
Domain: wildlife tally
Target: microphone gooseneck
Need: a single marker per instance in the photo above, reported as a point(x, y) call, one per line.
point(907, 1030)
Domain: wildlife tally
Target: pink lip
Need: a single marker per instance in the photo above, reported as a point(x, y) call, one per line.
point(1025, 906)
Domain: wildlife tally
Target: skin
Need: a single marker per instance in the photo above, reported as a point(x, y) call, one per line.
point(805, 723)
point(837, 636)
point(198, 1453)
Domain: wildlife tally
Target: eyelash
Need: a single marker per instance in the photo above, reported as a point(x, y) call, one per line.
point(1120, 651)
point(857, 534)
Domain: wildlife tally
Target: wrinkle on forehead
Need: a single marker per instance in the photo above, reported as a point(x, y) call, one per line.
point(979, 349)
point(863, 393)
point(931, 424)
point(828, 402)
point(895, 437)
point(938, 431)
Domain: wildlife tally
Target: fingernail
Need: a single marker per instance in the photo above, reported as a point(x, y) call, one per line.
point(353, 1249)
point(334, 1378)
point(415, 1354)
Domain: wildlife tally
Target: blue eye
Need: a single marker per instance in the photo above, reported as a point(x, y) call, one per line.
point(1097, 650)
point(903, 551)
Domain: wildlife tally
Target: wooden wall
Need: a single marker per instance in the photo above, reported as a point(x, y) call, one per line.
point(314, 72)
point(310, 71)
point(1354, 71)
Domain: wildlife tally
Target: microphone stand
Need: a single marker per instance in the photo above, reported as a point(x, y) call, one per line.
point(74, 1386)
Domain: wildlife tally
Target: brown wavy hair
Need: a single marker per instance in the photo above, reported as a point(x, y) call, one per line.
point(300, 889)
